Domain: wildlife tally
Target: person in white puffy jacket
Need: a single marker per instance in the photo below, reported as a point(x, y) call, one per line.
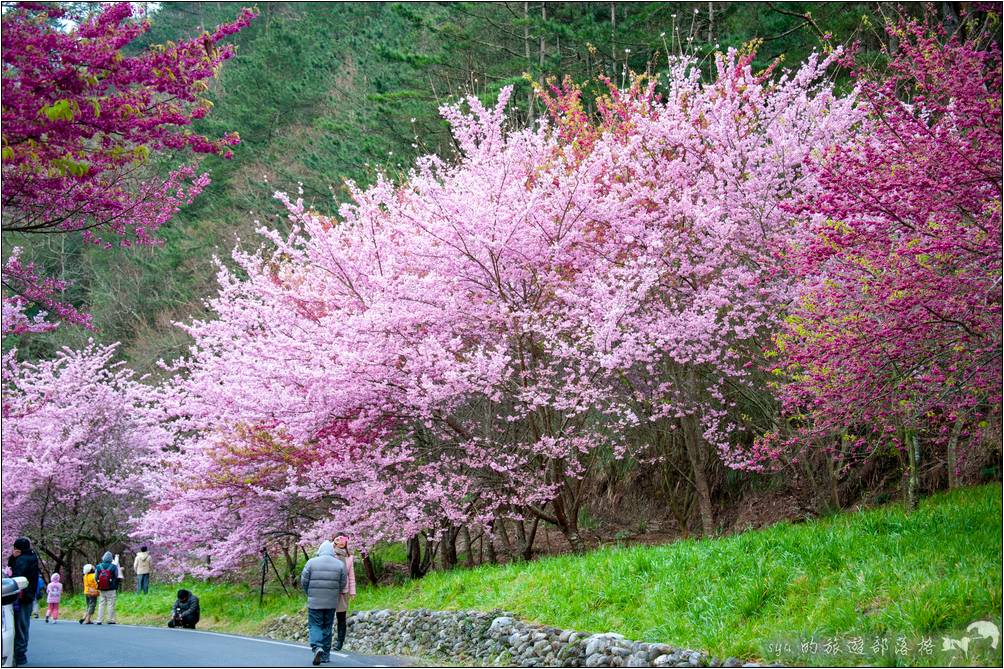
point(323, 579)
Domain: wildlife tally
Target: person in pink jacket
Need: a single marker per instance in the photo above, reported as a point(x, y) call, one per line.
point(343, 553)
point(54, 592)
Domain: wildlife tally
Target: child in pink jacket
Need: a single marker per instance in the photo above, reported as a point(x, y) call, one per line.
point(54, 592)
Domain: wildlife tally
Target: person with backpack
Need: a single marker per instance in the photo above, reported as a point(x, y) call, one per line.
point(23, 562)
point(106, 574)
point(323, 579)
point(90, 593)
point(141, 565)
point(53, 594)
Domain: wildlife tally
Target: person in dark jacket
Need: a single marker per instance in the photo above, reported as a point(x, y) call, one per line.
point(186, 611)
point(323, 579)
point(23, 562)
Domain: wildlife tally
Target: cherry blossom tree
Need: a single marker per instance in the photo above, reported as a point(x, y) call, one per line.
point(464, 347)
point(233, 495)
point(83, 120)
point(78, 432)
point(896, 334)
point(497, 324)
point(32, 292)
point(682, 295)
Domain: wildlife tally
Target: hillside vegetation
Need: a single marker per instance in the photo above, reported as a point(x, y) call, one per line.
point(881, 573)
point(325, 92)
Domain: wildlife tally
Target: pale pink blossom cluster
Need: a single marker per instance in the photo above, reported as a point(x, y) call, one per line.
point(462, 346)
point(78, 432)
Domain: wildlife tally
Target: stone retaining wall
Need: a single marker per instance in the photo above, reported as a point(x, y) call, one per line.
point(495, 639)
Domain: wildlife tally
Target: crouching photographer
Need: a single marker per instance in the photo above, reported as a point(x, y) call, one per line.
point(186, 611)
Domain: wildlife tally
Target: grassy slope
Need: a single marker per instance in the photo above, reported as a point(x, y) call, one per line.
point(881, 572)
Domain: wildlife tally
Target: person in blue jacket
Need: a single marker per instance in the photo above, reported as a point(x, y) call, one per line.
point(39, 591)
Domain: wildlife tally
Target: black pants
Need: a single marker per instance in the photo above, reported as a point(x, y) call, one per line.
point(22, 621)
point(340, 618)
point(187, 622)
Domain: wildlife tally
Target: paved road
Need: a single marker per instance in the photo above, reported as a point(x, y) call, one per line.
point(69, 644)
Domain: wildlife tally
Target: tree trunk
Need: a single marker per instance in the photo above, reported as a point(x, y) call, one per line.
point(568, 523)
point(574, 540)
point(430, 553)
point(540, 48)
point(831, 476)
point(613, 35)
point(952, 457)
point(305, 558)
point(569, 526)
point(811, 478)
point(415, 557)
point(59, 564)
point(371, 574)
point(521, 540)
point(489, 538)
point(503, 535)
point(694, 444)
point(289, 555)
point(566, 506)
point(913, 483)
point(469, 557)
point(526, 53)
point(526, 538)
point(533, 535)
point(448, 548)
point(67, 578)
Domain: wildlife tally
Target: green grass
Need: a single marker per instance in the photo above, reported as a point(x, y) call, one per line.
point(881, 573)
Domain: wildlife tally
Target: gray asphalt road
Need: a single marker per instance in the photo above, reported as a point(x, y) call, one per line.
point(69, 644)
